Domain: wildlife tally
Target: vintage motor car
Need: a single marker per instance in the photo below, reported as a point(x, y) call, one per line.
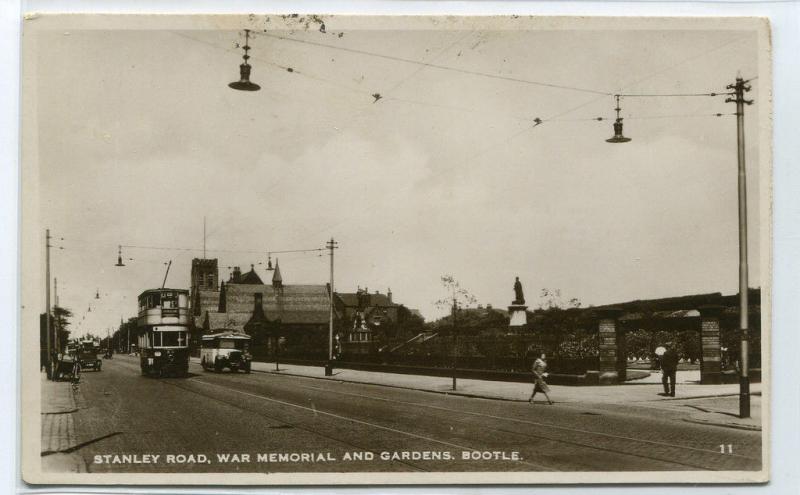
point(87, 354)
point(226, 349)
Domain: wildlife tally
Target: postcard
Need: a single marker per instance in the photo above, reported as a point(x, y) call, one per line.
point(291, 249)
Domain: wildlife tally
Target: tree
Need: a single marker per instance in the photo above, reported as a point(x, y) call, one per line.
point(60, 321)
point(457, 298)
point(551, 299)
point(561, 329)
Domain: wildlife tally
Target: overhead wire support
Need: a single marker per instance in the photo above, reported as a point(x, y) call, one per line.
point(331, 246)
point(740, 88)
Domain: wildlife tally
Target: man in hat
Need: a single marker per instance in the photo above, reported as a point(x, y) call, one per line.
point(669, 365)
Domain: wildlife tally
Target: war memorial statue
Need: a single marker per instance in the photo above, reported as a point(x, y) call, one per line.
point(518, 318)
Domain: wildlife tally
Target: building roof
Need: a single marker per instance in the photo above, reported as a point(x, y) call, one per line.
point(250, 278)
point(276, 276)
point(292, 304)
point(375, 299)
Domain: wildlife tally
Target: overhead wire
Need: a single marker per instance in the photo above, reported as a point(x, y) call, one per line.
point(439, 67)
point(251, 251)
point(667, 95)
point(538, 121)
point(422, 65)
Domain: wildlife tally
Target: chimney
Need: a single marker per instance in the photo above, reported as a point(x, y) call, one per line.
point(389, 295)
point(237, 274)
point(258, 308)
point(223, 298)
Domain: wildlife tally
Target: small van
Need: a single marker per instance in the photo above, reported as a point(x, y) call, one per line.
point(227, 349)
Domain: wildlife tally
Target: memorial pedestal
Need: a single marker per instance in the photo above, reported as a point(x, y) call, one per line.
point(518, 318)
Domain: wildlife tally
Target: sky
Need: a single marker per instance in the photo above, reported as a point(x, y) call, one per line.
point(140, 138)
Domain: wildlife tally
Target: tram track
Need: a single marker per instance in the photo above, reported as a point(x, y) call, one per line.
point(538, 424)
point(539, 467)
point(594, 447)
point(534, 423)
point(676, 453)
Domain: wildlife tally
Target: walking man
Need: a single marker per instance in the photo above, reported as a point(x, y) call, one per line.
point(669, 365)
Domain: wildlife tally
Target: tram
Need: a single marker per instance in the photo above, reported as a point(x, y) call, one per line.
point(163, 332)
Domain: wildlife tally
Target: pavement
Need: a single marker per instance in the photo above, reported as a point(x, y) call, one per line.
point(710, 404)
point(123, 422)
point(59, 437)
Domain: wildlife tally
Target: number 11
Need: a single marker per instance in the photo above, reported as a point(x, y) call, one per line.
point(726, 448)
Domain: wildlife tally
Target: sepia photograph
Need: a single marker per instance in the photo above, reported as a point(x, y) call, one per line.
point(293, 249)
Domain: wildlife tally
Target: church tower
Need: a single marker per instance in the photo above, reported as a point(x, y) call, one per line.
point(205, 276)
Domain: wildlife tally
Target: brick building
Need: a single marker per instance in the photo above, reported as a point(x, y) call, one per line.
point(246, 304)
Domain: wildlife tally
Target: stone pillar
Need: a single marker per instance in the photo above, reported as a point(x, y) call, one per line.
point(622, 354)
point(710, 363)
point(607, 333)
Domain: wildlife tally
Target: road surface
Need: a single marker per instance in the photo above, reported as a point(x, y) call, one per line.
point(296, 424)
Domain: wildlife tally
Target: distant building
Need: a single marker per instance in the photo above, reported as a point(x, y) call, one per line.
point(297, 314)
point(363, 314)
point(245, 304)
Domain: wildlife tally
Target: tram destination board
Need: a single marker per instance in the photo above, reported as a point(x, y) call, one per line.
point(395, 250)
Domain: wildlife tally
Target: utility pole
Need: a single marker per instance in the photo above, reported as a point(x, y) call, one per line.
point(56, 336)
point(744, 376)
point(204, 237)
point(49, 360)
point(455, 338)
point(331, 245)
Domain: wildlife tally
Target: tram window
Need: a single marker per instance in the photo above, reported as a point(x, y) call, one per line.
point(169, 303)
point(153, 300)
point(173, 339)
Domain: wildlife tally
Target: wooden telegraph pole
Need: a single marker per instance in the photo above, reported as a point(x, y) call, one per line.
point(49, 346)
point(331, 245)
point(740, 88)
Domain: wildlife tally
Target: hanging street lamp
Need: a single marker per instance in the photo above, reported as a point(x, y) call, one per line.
point(618, 137)
point(244, 84)
point(739, 88)
point(119, 257)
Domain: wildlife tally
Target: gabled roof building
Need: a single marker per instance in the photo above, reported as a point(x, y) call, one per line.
point(244, 296)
